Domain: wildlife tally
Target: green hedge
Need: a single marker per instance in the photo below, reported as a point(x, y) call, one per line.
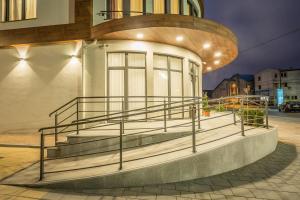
point(253, 117)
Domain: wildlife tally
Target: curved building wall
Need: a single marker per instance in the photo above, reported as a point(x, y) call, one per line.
point(137, 68)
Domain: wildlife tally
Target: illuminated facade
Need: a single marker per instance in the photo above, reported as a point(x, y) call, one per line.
point(54, 50)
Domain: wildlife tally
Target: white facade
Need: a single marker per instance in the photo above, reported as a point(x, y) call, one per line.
point(35, 80)
point(269, 80)
point(33, 87)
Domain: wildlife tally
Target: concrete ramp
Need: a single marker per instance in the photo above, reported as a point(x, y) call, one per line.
point(218, 151)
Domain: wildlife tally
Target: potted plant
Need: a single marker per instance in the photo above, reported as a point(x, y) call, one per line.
point(205, 106)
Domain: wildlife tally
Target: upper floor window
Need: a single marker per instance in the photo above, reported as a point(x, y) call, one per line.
point(116, 9)
point(259, 78)
point(175, 7)
point(136, 7)
point(159, 6)
point(14, 10)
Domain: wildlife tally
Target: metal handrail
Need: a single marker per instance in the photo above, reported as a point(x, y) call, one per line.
point(120, 117)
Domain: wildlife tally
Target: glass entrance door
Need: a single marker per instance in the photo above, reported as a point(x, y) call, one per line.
point(126, 81)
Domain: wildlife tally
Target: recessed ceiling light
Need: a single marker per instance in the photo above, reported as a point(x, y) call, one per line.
point(179, 38)
point(209, 68)
point(217, 62)
point(140, 36)
point(206, 46)
point(218, 54)
point(204, 63)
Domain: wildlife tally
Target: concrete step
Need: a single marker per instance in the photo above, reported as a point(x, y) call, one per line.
point(136, 135)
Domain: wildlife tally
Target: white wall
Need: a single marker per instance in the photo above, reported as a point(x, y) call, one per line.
point(49, 12)
point(31, 89)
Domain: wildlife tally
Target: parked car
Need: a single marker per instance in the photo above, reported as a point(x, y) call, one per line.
point(290, 106)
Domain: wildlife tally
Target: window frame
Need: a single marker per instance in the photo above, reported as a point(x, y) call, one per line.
point(6, 15)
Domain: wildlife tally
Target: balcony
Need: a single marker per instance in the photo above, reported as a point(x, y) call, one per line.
point(213, 42)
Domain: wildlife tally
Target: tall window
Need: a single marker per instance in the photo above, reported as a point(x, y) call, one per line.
point(158, 6)
point(13, 10)
point(126, 79)
point(136, 7)
point(194, 77)
point(175, 7)
point(115, 8)
point(168, 81)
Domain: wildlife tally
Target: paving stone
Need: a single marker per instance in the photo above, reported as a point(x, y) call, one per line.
point(204, 196)
point(164, 197)
point(188, 195)
point(242, 192)
point(200, 188)
point(35, 194)
point(235, 198)
point(266, 194)
point(217, 196)
point(146, 196)
point(289, 196)
point(52, 196)
point(287, 188)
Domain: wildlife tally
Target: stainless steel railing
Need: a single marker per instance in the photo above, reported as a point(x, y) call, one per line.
point(188, 108)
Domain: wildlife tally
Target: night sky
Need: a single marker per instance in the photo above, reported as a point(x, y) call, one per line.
point(268, 32)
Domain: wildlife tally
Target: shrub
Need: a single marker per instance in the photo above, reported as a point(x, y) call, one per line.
point(253, 116)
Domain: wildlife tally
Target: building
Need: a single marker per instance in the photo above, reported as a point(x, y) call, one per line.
point(236, 85)
point(54, 50)
point(269, 80)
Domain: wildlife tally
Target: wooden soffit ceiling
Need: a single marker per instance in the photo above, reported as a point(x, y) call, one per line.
point(165, 28)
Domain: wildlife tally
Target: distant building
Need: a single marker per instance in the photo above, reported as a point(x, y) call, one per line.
point(269, 80)
point(238, 84)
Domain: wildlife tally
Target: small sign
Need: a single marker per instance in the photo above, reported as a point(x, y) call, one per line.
point(280, 99)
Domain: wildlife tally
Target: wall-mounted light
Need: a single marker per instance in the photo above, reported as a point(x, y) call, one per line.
point(206, 45)
point(218, 54)
point(140, 36)
point(179, 38)
point(217, 62)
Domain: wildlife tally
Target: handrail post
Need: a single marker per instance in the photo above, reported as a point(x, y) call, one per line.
point(77, 116)
point(267, 113)
point(242, 117)
point(193, 128)
point(121, 144)
point(42, 157)
point(199, 115)
point(56, 131)
point(234, 117)
point(165, 115)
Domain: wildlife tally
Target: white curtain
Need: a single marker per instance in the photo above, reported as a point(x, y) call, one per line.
point(136, 87)
point(158, 6)
point(175, 6)
point(31, 7)
point(176, 63)
point(3, 10)
point(136, 60)
point(116, 59)
point(136, 7)
point(116, 88)
point(117, 7)
point(160, 61)
point(15, 10)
